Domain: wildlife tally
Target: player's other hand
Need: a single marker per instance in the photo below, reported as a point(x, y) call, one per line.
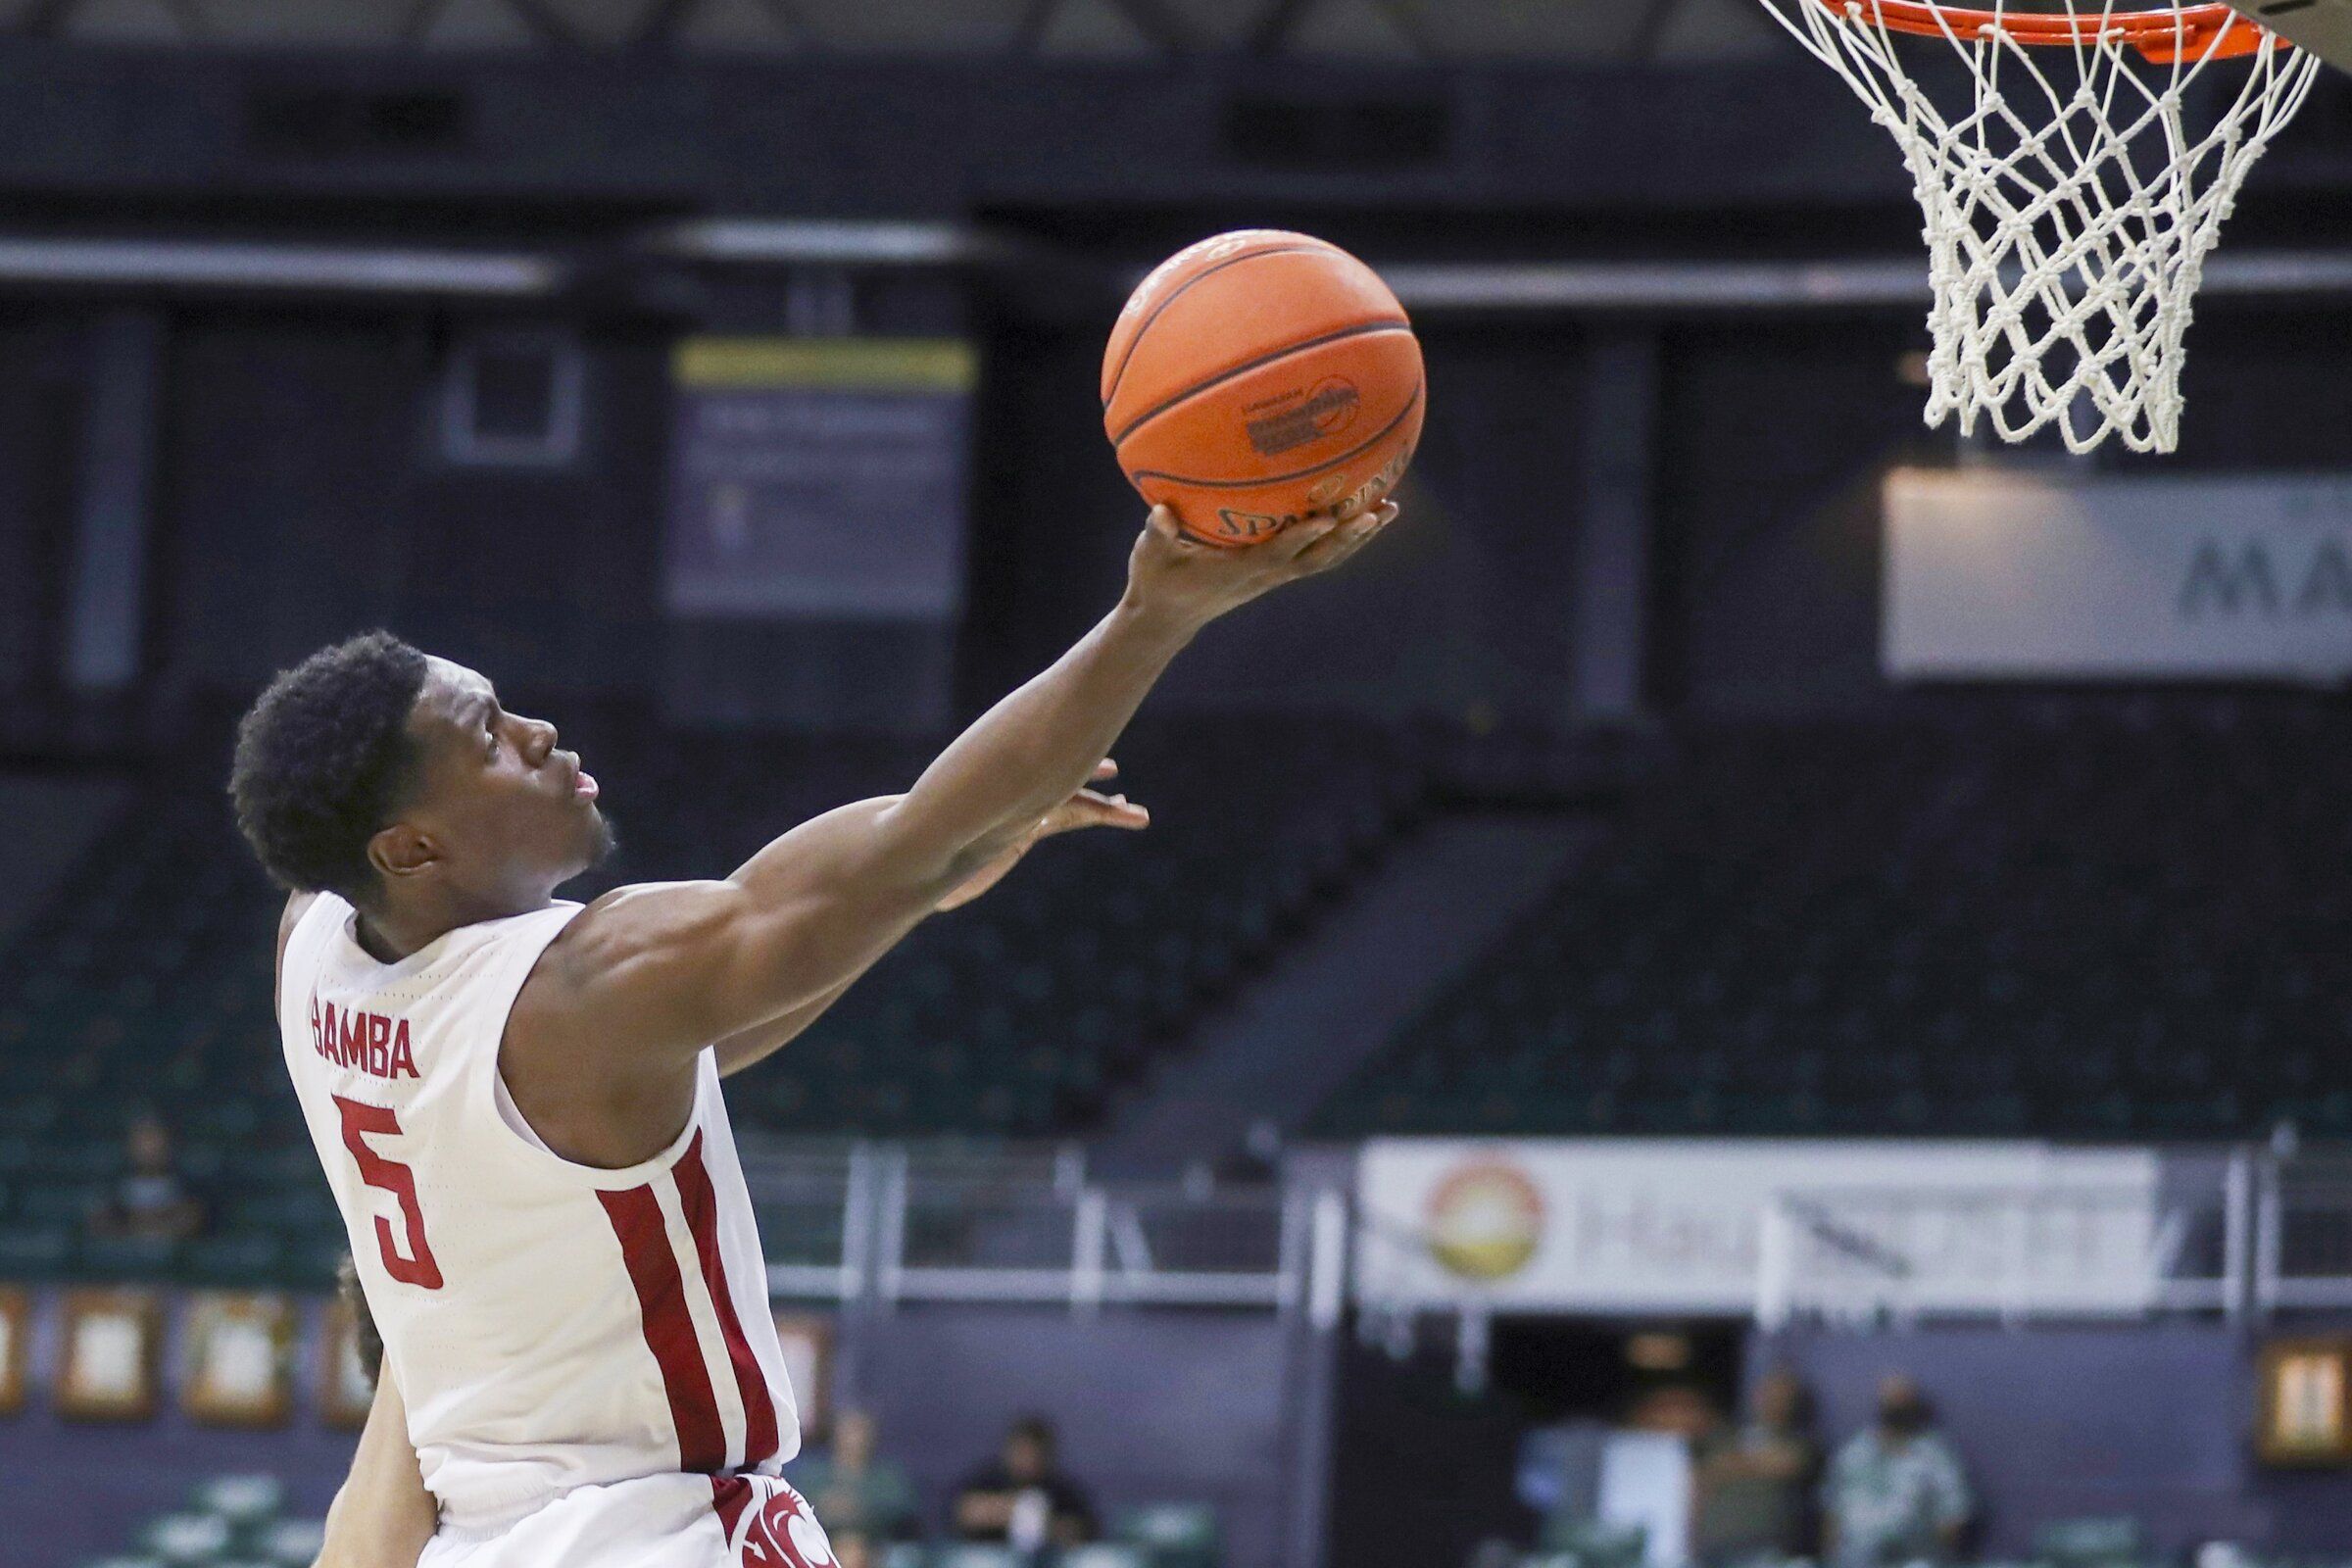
point(1191, 584)
point(1088, 807)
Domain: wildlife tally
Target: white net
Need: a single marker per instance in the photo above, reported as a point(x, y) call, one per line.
point(2071, 204)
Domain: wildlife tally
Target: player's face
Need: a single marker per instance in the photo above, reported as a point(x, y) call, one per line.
point(509, 812)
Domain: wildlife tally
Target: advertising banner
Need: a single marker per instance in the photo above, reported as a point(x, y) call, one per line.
point(2002, 575)
point(1619, 1225)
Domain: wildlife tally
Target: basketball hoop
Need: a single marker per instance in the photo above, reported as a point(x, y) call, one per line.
point(2071, 208)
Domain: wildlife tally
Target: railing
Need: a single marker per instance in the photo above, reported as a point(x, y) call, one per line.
point(2241, 1232)
point(2302, 1235)
point(891, 1223)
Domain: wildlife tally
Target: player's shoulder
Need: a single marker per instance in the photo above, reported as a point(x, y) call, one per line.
point(298, 904)
point(619, 976)
point(647, 914)
point(633, 927)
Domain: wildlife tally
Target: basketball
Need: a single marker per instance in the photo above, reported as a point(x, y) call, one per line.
point(1260, 376)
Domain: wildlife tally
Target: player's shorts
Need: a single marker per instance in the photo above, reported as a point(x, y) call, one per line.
point(668, 1521)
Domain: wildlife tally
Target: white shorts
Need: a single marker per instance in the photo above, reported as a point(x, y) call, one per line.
point(667, 1521)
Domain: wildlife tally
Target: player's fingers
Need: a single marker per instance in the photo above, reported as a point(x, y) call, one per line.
point(1339, 552)
point(1163, 522)
point(1308, 533)
point(1344, 541)
point(1105, 770)
point(1113, 811)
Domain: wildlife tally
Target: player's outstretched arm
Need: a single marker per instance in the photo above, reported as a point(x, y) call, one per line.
point(1087, 809)
point(382, 1516)
point(647, 976)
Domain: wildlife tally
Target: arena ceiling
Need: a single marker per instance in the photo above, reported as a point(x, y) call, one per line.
point(1403, 30)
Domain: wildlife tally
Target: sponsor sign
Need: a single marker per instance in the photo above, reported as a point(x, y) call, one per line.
point(1617, 1225)
point(1994, 574)
point(819, 478)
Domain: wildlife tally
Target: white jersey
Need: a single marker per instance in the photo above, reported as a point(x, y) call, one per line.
point(560, 1334)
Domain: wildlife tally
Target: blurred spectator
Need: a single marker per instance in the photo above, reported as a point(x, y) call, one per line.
point(1895, 1494)
point(1754, 1485)
point(854, 1494)
point(1022, 1499)
point(363, 1318)
point(1676, 1409)
point(149, 1202)
point(850, 1549)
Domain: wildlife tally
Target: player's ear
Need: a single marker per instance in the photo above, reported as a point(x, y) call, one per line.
point(402, 850)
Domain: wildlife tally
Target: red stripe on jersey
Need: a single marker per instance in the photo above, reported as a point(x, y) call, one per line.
point(700, 1205)
point(636, 1216)
point(729, 1494)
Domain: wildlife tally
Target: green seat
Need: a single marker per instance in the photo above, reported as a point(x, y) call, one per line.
point(243, 1500)
point(972, 1554)
point(126, 1257)
point(287, 1165)
point(56, 1203)
point(284, 1208)
point(311, 1261)
point(1586, 1543)
point(78, 1161)
point(1105, 1554)
point(291, 1542)
point(1177, 1535)
point(2095, 1542)
point(29, 1114)
point(225, 1118)
point(35, 1251)
point(187, 1539)
point(242, 1258)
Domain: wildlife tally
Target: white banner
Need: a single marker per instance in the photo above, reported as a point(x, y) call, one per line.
point(1994, 573)
point(1616, 1225)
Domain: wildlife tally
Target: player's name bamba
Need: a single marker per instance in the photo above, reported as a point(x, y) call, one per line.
point(367, 1042)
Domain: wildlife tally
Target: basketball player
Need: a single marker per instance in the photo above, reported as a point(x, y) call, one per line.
point(517, 1100)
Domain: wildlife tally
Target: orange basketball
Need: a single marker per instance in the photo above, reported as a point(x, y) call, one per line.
point(1260, 376)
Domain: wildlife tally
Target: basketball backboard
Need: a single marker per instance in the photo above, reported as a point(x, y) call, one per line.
point(2322, 27)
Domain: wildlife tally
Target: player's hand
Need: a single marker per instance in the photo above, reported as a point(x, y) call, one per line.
point(1086, 808)
point(1191, 583)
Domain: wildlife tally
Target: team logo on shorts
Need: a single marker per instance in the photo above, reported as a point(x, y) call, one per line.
point(771, 1525)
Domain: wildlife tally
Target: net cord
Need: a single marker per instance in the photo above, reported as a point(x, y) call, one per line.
point(2064, 271)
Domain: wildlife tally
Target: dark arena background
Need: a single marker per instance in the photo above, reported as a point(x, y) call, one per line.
point(1757, 982)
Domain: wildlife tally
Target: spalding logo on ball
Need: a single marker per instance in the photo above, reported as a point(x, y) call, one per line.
point(1260, 376)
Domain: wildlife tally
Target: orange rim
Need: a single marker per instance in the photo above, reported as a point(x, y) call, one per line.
point(2166, 37)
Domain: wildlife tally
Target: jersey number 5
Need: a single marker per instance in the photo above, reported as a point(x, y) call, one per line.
point(417, 1267)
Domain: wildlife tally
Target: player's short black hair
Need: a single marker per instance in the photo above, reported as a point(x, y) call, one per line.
point(323, 757)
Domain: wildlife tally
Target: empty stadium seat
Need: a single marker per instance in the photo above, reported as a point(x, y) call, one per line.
point(1997, 915)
